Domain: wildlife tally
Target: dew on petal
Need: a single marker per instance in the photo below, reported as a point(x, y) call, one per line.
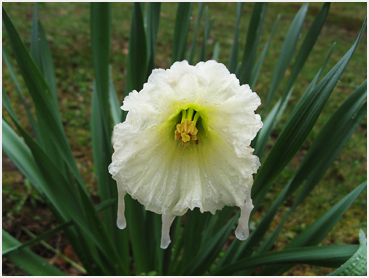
point(121, 220)
point(167, 221)
point(242, 231)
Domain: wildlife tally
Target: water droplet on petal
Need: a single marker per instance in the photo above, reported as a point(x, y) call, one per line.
point(167, 221)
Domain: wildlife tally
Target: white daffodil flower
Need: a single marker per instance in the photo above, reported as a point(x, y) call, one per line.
point(186, 143)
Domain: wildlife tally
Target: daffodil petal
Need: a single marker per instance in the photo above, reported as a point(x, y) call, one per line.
point(209, 165)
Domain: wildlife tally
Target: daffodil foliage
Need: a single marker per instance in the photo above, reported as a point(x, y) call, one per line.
point(181, 160)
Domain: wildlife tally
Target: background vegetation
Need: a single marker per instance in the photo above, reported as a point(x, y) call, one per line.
point(68, 31)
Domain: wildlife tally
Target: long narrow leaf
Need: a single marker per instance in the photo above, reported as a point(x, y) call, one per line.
point(181, 31)
point(42, 97)
point(256, 69)
point(137, 62)
point(301, 58)
point(32, 121)
point(27, 260)
point(152, 26)
point(315, 233)
point(233, 59)
point(286, 53)
point(327, 256)
point(116, 112)
point(40, 52)
point(321, 154)
point(191, 52)
point(100, 116)
point(252, 41)
point(300, 123)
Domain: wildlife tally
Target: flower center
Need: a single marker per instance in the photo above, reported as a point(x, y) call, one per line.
point(186, 130)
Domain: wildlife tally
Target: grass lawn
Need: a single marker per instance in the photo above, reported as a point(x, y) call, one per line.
point(68, 31)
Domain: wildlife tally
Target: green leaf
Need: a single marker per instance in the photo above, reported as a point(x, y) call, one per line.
point(43, 99)
point(316, 232)
point(116, 112)
point(137, 62)
point(357, 264)
point(320, 156)
point(36, 239)
point(252, 41)
point(136, 219)
point(13, 75)
point(207, 29)
point(40, 52)
point(22, 157)
point(152, 26)
point(191, 52)
point(233, 59)
point(27, 260)
point(287, 51)
point(301, 58)
point(327, 256)
point(209, 251)
point(256, 69)
point(100, 116)
point(74, 205)
point(299, 125)
point(181, 31)
point(216, 51)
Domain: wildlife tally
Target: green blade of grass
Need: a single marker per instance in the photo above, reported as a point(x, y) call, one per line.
point(327, 256)
point(318, 159)
point(22, 157)
point(31, 119)
point(42, 97)
point(192, 235)
point(152, 26)
point(40, 52)
point(301, 58)
point(233, 59)
point(76, 206)
point(299, 125)
point(100, 116)
point(216, 51)
point(136, 219)
point(210, 251)
point(55, 251)
point(137, 61)
point(252, 40)
point(116, 112)
point(287, 51)
point(191, 52)
point(207, 29)
point(315, 233)
point(36, 239)
point(27, 260)
point(256, 69)
point(181, 31)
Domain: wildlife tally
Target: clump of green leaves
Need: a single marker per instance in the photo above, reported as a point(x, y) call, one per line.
point(198, 240)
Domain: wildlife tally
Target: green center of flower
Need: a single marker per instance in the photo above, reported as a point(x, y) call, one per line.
point(186, 130)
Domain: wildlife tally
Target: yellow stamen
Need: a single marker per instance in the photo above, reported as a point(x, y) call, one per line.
point(185, 131)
